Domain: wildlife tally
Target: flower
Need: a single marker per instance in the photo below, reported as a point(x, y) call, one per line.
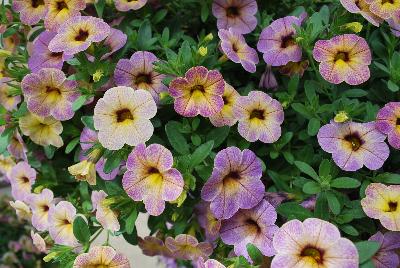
point(101, 256)
point(123, 116)
point(234, 183)
point(383, 203)
point(115, 41)
point(277, 42)
point(395, 25)
point(199, 92)
point(208, 221)
point(384, 9)
point(16, 146)
point(363, 8)
point(187, 247)
point(22, 210)
point(276, 198)
point(49, 93)
point(225, 116)
point(210, 263)
point(151, 178)
point(30, 11)
point(312, 243)
point(256, 226)
point(386, 256)
point(104, 215)
point(126, 5)
point(341, 117)
point(388, 122)
point(260, 117)
point(38, 242)
point(84, 171)
point(236, 14)
point(293, 68)
point(138, 73)
point(42, 130)
point(61, 10)
point(268, 79)
point(236, 49)
point(40, 205)
point(153, 246)
point(21, 177)
point(353, 145)
point(343, 58)
point(7, 100)
point(6, 164)
point(61, 218)
point(77, 33)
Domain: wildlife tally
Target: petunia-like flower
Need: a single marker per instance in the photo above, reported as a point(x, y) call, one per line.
point(234, 183)
point(115, 41)
point(236, 14)
point(16, 146)
point(293, 68)
point(312, 243)
point(395, 25)
point(354, 145)
point(49, 93)
point(6, 164)
point(388, 122)
point(384, 9)
point(61, 10)
point(210, 263)
point(186, 247)
point(383, 203)
point(138, 73)
point(151, 178)
point(256, 226)
point(260, 117)
point(21, 209)
point(42, 130)
point(277, 42)
point(84, 171)
point(199, 92)
point(78, 33)
point(208, 221)
point(386, 256)
point(276, 198)
point(61, 218)
point(225, 117)
point(38, 242)
point(153, 246)
point(343, 58)
point(7, 100)
point(101, 256)
point(123, 116)
point(236, 49)
point(40, 205)
point(268, 79)
point(30, 11)
point(126, 5)
point(363, 8)
point(21, 177)
point(104, 214)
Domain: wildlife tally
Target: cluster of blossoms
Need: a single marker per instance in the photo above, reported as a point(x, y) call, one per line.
point(105, 116)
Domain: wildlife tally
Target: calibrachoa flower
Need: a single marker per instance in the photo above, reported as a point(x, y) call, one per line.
point(199, 92)
point(115, 41)
point(138, 73)
point(187, 247)
point(208, 221)
point(395, 25)
point(234, 183)
point(293, 68)
point(40, 205)
point(21, 209)
point(354, 145)
point(277, 42)
point(343, 58)
point(7, 100)
point(384, 9)
point(78, 33)
point(105, 216)
point(38, 242)
point(260, 117)
point(312, 243)
point(101, 256)
point(383, 203)
point(30, 11)
point(6, 164)
point(61, 218)
point(60, 11)
point(388, 122)
point(21, 177)
point(151, 178)
point(236, 49)
point(126, 5)
point(236, 14)
point(153, 246)
point(16, 146)
point(123, 116)
point(268, 79)
point(386, 257)
point(84, 171)
point(256, 226)
point(49, 93)
point(363, 8)
point(210, 263)
point(225, 117)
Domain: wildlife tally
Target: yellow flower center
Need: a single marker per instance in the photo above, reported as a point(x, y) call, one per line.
point(143, 79)
point(256, 113)
point(344, 56)
point(197, 88)
point(123, 115)
point(37, 3)
point(61, 5)
point(313, 253)
point(354, 140)
point(24, 180)
point(387, 2)
point(287, 41)
point(226, 100)
point(392, 206)
point(398, 121)
point(253, 225)
point(82, 35)
point(232, 12)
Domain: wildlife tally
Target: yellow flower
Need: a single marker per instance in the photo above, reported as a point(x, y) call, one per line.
point(203, 51)
point(353, 26)
point(341, 117)
point(84, 171)
point(98, 75)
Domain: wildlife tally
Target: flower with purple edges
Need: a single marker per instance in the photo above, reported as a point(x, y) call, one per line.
point(312, 243)
point(210, 263)
point(207, 221)
point(7, 100)
point(115, 41)
point(309, 203)
point(78, 33)
point(388, 122)
point(354, 145)
point(187, 247)
point(236, 49)
point(384, 9)
point(293, 68)
point(150, 177)
point(268, 79)
point(21, 209)
point(153, 246)
point(383, 203)
point(236, 14)
point(386, 257)
point(39, 242)
point(6, 164)
point(17, 147)
point(126, 5)
point(343, 58)
point(363, 8)
point(199, 92)
point(235, 182)
point(61, 10)
point(49, 93)
point(260, 117)
point(138, 73)
point(394, 24)
point(61, 218)
point(21, 176)
point(40, 205)
point(104, 214)
point(101, 256)
point(30, 11)
point(255, 226)
point(277, 42)
point(225, 117)
point(276, 198)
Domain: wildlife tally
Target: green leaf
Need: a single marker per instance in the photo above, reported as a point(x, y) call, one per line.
point(218, 135)
point(392, 86)
point(321, 207)
point(366, 249)
point(159, 16)
point(131, 220)
point(205, 11)
point(355, 93)
point(348, 229)
point(49, 151)
point(325, 168)
point(71, 145)
point(255, 254)
point(78, 103)
point(388, 178)
point(368, 264)
point(131, 238)
point(201, 153)
point(311, 188)
point(99, 6)
point(345, 183)
point(88, 121)
point(302, 109)
point(333, 203)
point(307, 169)
point(313, 126)
point(112, 162)
point(294, 210)
point(175, 138)
point(81, 230)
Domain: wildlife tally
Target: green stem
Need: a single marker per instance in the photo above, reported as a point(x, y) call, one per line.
point(96, 235)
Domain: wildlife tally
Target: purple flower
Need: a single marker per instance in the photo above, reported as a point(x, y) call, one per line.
point(126, 5)
point(207, 221)
point(104, 214)
point(61, 218)
point(153, 246)
point(354, 145)
point(17, 147)
point(363, 8)
point(40, 205)
point(210, 263)
point(187, 247)
point(30, 12)
point(387, 256)
point(268, 79)
point(234, 183)
point(276, 198)
point(225, 117)
point(388, 122)
point(21, 176)
point(7, 100)
point(394, 24)
point(115, 41)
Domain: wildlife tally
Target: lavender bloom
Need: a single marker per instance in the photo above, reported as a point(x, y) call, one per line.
point(268, 79)
point(187, 247)
point(387, 255)
point(388, 122)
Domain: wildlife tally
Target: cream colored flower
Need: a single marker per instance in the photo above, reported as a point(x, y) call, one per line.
point(22, 210)
point(84, 171)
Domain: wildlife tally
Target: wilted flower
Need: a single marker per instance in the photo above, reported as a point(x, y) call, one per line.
point(312, 243)
point(293, 68)
point(40, 205)
point(354, 145)
point(187, 247)
point(104, 214)
point(7, 100)
point(276, 198)
point(38, 242)
point(60, 11)
point(21, 209)
point(363, 8)
point(268, 79)
point(101, 256)
point(126, 5)
point(115, 41)
point(153, 246)
point(383, 203)
point(151, 178)
point(61, 218)
point(30, 11)
point(388, 122)
point(210, 263)
point(84, 171)
point(386, 256)
point(234, 183)
point(208, 221)
point(21, 177)
point(123, 116)
point(225, 117)
point(384, 9)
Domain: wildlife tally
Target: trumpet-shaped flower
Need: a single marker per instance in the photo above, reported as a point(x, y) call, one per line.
point(384, 9)
point(61, 218)
point(22, 210)
point(6, 164)
point(208, 221)
point(30, 11)
point(7, 100)
point(210, 263)
point(153, 246)
point(40, 205)
point(386, 256)
point(293, 68)
point(115, 41)
point(21, 177)
point(38, 242)
point(225, 117)
point(17, 147)
point(388, 122)
point(268, 79)
point(84, 171)
point(61, 10)
point(363, 8)
point(123, 116)
point(151, 178)
point(187, 247)
point(101, 256)
point(104, 214)
point(126, 5)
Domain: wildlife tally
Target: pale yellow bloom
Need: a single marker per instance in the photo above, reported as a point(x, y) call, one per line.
point(84, 171)
point(21, 209)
